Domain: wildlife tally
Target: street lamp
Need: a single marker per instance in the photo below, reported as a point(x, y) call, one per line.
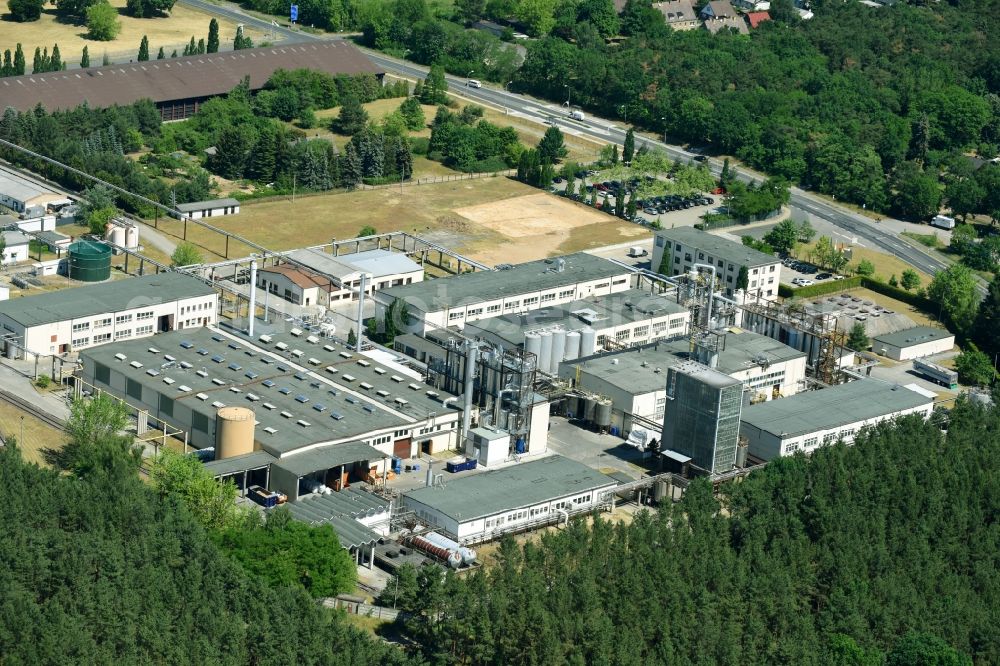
point(506, 88)
point(625, 113)
point(664, 121)
point(20, 442)
point(568, 93)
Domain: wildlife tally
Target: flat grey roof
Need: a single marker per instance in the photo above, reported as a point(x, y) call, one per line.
point(209, 203)
point(237, 464)
point(323, 262)
point(12, 238)
point(456, 290)
point(510, 488)
point(917, 335)
point(742, 350)
point(19, 188)
point(832, 407)
point(705, 374)
point(345, 395)
point(325, 457)
point(719, 248)
point(626, 307)
point(107, 297)
point(380, 263)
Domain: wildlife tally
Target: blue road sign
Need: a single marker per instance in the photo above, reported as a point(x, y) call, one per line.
point(295, 12)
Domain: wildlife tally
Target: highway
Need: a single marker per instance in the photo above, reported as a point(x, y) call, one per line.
point(604, 130)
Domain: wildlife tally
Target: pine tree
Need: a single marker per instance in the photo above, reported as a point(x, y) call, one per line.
point(160, 55)
point(614, 155)
point(55, 62)
point(191, 48)
point(18, 61)
point(174, 54)
point(85, 59)
point(350, 167)
point(404, 160)
point(201, 47)
point(628, 149)
point(213, 36)
point(8, 66)
point(241, 41)
point(143, 49)
point(106, 60)
point(37, 63)
point(352, 338)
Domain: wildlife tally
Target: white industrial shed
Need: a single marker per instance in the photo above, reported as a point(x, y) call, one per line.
point(915, 342)
point(485, 506)
point(812, 419)
point(20, 194)
point(197, 210)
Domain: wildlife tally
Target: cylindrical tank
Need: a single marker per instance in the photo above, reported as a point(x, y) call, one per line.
point(116, 234)
point(89, 261)
point(589, 409)
point(468, 555)
point(572, 346)
point(533, 344)
point(234, 432)
point(545, 354)
point(659, 490)
point(602, 414)
point(741, 455)
point(452, 557)
point(132, 237)
point(793, 339)
point(558, 349)
point(588, 342)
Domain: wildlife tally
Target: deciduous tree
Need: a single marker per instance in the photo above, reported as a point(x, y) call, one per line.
point(102, 21)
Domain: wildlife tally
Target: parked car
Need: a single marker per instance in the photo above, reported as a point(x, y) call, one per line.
point(557, 179)
point(838, 277)
point(473, 83)
point(824, 276)
point(803, 282)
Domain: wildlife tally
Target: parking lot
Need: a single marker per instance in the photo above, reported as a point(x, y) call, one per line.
point(804, 274)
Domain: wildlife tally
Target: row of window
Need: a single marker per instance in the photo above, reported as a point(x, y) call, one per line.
point(847, 434)
point(191, 308)
point(104, 323)
point(528, 301)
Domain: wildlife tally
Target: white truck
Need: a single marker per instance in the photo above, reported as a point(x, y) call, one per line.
point(636, 251)
point(576, 114)
point(943, 222)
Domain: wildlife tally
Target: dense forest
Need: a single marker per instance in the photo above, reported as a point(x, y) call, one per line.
point(874, 105)
point(97, 567)
point(881, 552)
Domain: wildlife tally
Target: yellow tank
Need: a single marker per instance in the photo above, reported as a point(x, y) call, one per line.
point(234, 432)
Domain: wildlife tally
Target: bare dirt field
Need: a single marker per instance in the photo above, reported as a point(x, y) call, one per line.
point(170, 32)
point(483, 218)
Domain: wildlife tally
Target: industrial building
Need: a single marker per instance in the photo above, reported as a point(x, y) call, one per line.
point(635, 379)
point(485, 506)
point(74, 319)
point(817, 418)
point(469, 297)
point(359, 518)
point(22, 195)
point(911, 343)
point(16, 247)
point(701, 420)
point(320, 278)
point(179, 86)
point(324, 414)
point(677, 251)
point(197, 210)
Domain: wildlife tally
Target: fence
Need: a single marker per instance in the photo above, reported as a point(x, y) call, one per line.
point(445, 178)
point(360, 608)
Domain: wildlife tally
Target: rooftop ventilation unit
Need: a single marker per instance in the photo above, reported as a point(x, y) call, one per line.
point(336, 416)
point(266, 360)
point(153, 350)
point(186, 365)
point(250, 374)
point(363, 363)
point(218, 404)
point(121, 357)
point(202, 351)
point(235, 389)
point(183, 388)
point(297, 353)
point(366, 386)
point(415, 387)
point(296, 332)
point(382, 394)
point(380, 371)
point(281, 346)
point(351, 400)
point(136, 364)
point(186, 345)
point(313, 361)
point(218, 382)
point(333, 392)
point(202, 396)
point(332, 370)
point(319, 407)
point(287, 415)
point(347, 354)
point(302, 398)
point(312, 339)
point(168, 357)
point(266, 339)
point(303, 423)
point(369, 409)
point(218, 359)
point(202, 373)
point(588, 316)
point(329, 348)
point(284, 390)
point(268, 405)
point(270, 431)
point(152, 372)
point(281, 368)
point(268, 383)
point(432, 394)
point(168, 381)
point(347, 378)
point(252, 397)
point(235, 367)
point(301, 376)
point(233, 345)
point(218, 338)
point(315, 384)
point(249, 352)
point(396, 378)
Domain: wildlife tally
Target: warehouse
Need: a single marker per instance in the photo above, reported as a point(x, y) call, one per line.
point(579, 328)
point(911, 343)
point(327, 415)
point(676, 251)
point(197, 210)
point(485, 506)
point(320, 278)
point(817, 418)
point(635, 379)
point(468, 297)
point(179, 86)
point(22, 195)
point(75, 319)
point(359, 518)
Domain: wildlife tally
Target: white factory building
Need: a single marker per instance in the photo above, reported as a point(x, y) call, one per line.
point(635, 380)
point(73, 319)
point(481, 507)
point(676, 251)
point(457, 300)
point(818, 418)
point(320, 278)
point(16, 247)
point(581, 328)
point(197, 210)
point(22, 195)
point(916, 342)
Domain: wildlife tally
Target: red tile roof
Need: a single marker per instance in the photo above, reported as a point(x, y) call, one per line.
point(756, 18)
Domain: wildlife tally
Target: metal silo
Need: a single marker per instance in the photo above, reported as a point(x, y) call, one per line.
point(572, 345)
point(545, 354)
point(588, 342)
point(589, 409)
point(558, 349)
point(533, 344)
point(89, 261)
point(602, 414)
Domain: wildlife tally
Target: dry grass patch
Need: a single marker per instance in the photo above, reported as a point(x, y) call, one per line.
point(38, 435)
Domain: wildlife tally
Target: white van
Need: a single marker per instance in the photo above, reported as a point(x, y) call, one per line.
point(636, 251)
point(576, 114)
point(473, 83)
point(943, 222)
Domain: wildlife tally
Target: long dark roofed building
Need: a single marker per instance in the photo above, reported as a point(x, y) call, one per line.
point(178, 86)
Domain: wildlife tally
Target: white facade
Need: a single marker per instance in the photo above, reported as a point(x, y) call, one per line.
point(203, 209)
point(17, 246)
point(127, 323)
point(20, 194)
point(918, 347)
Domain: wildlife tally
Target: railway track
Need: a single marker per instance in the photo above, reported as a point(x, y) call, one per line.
point(26, 406)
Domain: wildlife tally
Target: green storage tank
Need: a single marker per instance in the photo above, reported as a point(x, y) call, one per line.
point(89, 261)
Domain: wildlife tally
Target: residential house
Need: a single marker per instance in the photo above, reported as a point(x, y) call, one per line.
point(756, 18)
point(679, 14)
point(714, 25)
point(718, 9)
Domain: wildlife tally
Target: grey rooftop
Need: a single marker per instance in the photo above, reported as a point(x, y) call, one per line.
point(509, 488)
point(204, 205)
point(480, 286)
point(917, 335)
point(108, 297)
point(832, 407)
point(717, 247)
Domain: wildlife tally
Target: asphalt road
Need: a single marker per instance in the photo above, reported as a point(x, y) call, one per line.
point(605, 130)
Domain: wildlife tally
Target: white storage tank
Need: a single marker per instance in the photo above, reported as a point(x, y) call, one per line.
point(132, 237)
point(558, 349)
point(115, 234)
point(572, 346)
point(588, 342)
point(533, 344)
point(545, 354)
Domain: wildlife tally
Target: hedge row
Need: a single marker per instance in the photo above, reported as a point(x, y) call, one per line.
point(916, 300)
point(908, 297)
